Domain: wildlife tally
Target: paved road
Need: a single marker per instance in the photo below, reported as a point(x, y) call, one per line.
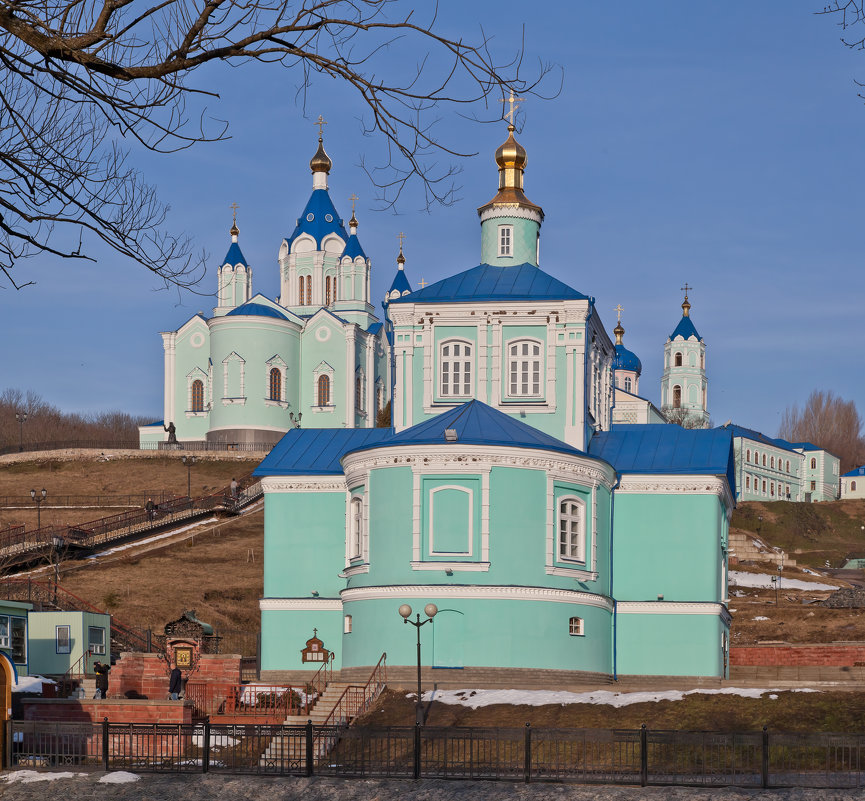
point(85, 787)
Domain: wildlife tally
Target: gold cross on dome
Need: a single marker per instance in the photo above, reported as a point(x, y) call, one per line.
point(422, 283)
point(354, 198)
point(320, 122)
point(234, 207)
point(401, 237)
point(514, 103)
point(619, 309)
point(686, 289)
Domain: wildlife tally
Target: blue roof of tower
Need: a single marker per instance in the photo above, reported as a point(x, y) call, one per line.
point(316, 451)
point(319, 207)
point(627, 360)
point(686, 329)
point(476, 423)
point(234, 256)
point(663, 448)
point(400, 283)
point(353, 248)
point(486, 282)
point(257, 310)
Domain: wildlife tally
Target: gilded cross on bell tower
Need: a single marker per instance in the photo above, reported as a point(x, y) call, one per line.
point(686, 307)
point(353, 198)
point(320, 122)
point(618, 310)
point(234, 231)
point(514, 102)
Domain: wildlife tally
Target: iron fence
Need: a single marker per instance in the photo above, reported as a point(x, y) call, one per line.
point(54, 501)
point(136, 445)
point(627, 757)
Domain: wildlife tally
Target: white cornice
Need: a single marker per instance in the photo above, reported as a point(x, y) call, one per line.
point(299, 604)
point(676, 485)
point(515, 210)
point(673, 608)
point(303, 484)
point(457, 567)
point(478, 592)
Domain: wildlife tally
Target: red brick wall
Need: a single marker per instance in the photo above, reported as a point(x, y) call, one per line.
point(146, 675)
point(117, 711)
point(789, 655)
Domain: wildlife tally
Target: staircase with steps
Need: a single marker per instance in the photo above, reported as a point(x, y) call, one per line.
point(747, 548)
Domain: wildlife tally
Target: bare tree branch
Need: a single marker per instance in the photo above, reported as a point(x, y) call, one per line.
point(76, 74)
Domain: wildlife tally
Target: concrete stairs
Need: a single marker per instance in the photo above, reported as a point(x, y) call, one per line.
point(290, 750)
point(747, 548)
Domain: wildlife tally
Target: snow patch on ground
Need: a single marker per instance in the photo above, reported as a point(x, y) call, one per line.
point(30, 684)
point(760, 617)
point(739, 578)
point(173, 533)
point(28, 776)
point(120, 777)
point(479, 698)
point(216, 740)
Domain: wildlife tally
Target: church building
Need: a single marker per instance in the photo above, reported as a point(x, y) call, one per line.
point(547, 538)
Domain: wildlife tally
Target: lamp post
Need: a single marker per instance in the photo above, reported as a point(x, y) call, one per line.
point(776, 580)
point(188, 461)
point(56, 548)
point(37, 499)
point(430, 610)
point(21, 417)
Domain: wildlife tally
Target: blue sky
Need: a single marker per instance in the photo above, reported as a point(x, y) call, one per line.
point(718, 144)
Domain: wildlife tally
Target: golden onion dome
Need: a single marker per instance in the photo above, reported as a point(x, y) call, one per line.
point(320, 162)
point(234, 230)
point(353, 221)
point(619, 332)
point(686, 307)
point(511, 154)
point(400, 259)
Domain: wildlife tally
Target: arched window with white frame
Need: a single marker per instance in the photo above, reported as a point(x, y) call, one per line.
point(677, 397)
point(197, 404)
point(356, 529)
point(323, 390)
point(813, 464)
point(275, 384)
point(748, 455)
point(571, 530)
point(455, 361)
point(628, 384)
point(506, 240)
point(524, 368)
point(677, 362)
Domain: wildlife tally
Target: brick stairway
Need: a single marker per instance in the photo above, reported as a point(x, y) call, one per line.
point(745, 548)
point(291, 749)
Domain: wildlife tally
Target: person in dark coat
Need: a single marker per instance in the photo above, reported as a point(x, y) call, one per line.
point(150, 507)
point(101, 679)
point(175, 683)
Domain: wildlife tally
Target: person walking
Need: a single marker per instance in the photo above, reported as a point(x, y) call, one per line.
point(101, 679)
point(150, 508)
point(233, 487)
point(175, 683)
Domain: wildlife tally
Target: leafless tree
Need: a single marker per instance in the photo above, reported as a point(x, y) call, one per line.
point(830, 423)
point(683, 417)
point(79, 76)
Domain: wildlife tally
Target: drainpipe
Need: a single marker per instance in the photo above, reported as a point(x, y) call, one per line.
point(612, 597)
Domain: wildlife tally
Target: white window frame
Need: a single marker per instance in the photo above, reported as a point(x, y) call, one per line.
point(5, 638)
point(506, 241)
point(561, 546)
point(355, 533)
point(197, 374)
point(360, 389)
point(276, 361)
point(576, 627)
point(513, 368)
point(446, 371)
point(346, 624)
point(96, 648)
point(226, 367)
point(63, 649)
point(323, 369)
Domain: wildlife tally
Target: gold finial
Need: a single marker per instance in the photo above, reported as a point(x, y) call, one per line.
point(321, 121)
point(400, 260)
point(234, 230)
point(514, 102)
point(422, 283)
point(618, 330)
point(353, 221)
point(686, 307)
point(320, 162)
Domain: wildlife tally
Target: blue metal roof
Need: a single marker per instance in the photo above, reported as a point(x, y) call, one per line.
point(400, 283)
point(750, 433)
point(257, 310)
point(319, 207)
point(477, 424)
point(667, 449)
point(234, 256)
point(856, 471)
point(317, 451)
point(486, 282)
point(353, 248)
point(685, 329)
point(374, 328)
point(626, 360)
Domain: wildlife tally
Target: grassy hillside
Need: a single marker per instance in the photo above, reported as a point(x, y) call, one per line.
point(814, 532)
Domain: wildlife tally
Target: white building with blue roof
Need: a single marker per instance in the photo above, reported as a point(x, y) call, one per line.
point(259, 366)
point(558, 548)
point(853, 483)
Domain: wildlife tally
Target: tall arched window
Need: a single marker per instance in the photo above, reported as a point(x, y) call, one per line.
point(678, 360)
point(324, 390)
point(300, 291)
point(571, 530)
point(627, 384)
point(677, 397)
point(764, 460)
point(356, 539)
point(275, 384)
point(813, 464)
point(197, 396)
point(748, 455)
point(772, 460)
point(852, 486)
point(747, 482)
point(327, 291)
point(358, 391)
point(524, 368)
point(456, 369)
point(788, 465)
point(309, 290)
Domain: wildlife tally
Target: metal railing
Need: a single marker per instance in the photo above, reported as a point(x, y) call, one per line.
point(272, 701)
point(136, 445)
point(54, 501)
point(600, 756)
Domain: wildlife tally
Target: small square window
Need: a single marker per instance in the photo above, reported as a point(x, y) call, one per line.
point(347, 624)
point(575, 627)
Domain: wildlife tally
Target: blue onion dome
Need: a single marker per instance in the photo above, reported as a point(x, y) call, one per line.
point(625, 359)
point(257, 310)
point(686, 328)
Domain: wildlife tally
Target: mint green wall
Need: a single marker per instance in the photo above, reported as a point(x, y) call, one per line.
point(44, 658)
point(526, 634)
point(669, 645)
point(667, 544)
point(333, 352)
point(525, 242)
point(187, 358)
point(284, 635)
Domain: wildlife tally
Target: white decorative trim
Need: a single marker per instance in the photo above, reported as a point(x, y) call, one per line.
point(674, 608)
point(502, 210)
point(299, 604)
point(281, 404)
point(227, 399)
point(492, 592)
point(354, 570)
point(303, 484)
point(467, 567)
point(471, 533)
point(571, 572)
point(197, 339)
point(322, 333)
point(675, 485)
